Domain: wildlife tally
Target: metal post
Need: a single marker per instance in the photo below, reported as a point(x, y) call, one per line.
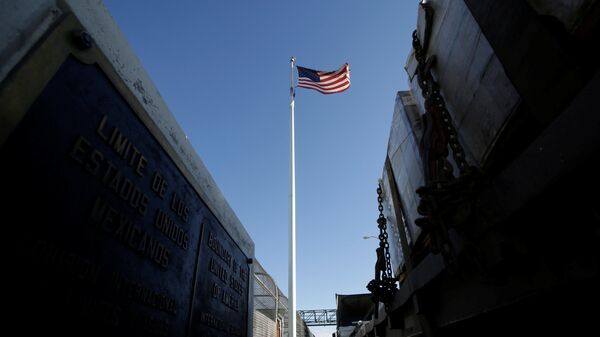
point(292, 257)
point(276, 307)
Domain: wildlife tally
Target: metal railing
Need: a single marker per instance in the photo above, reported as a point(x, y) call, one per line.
point(271, 308)
point(319, 317)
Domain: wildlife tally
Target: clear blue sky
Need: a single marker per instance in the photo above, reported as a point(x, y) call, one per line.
point(223, 69)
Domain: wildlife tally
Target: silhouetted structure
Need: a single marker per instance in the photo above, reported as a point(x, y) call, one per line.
point(489, 188)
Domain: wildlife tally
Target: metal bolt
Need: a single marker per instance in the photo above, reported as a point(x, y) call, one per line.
point(82, 39)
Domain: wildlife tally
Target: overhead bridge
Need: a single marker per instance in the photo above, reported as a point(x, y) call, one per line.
point(319, 317)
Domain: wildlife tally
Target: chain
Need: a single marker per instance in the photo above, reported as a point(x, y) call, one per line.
point(458, 153)
point(383, 286)
point(383, 236)
point(445, 200)
point(416, 43)
point(431, 91)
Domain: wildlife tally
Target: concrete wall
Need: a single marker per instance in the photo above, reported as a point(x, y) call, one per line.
point(24, 23)
point(403, 151)
point(478, 93)
point(263, 325)
point(567, 12)
point(396, 255)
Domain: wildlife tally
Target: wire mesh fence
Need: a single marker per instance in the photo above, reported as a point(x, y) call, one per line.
point(271, 308)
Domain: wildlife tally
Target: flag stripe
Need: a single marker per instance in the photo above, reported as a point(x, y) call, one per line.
point(324, 86)
point(303, 84)
point(325, 82)
point(312, 85)
point(336, 73)
point(332, 80)
point(341, 89)
point(319, 88)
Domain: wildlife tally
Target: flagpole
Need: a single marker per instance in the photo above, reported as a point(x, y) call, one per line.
point(292, 255)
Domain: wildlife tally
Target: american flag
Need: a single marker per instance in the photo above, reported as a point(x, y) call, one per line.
point(325, 82)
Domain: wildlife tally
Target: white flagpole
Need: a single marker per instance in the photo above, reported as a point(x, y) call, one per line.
point(292, 256)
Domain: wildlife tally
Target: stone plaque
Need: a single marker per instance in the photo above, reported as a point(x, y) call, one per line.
point(106, 236)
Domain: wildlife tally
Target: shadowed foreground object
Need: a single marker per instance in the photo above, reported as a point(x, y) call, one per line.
point(120, 232)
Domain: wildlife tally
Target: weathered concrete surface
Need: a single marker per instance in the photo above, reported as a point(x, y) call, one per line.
point(25, 21)
point(478, 94)
point(405, 159)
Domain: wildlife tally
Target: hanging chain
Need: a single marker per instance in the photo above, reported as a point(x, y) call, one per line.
point(458, 153)
point(383, 235)
point(383, 286)
point(446, 200)
point(431, 91)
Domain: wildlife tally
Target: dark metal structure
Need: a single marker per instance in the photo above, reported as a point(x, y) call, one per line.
point(491, 226)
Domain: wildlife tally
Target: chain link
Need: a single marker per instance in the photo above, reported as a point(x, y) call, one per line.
point(383, 286)
point(431, 91)
point(445, 200)
point(383, 236)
